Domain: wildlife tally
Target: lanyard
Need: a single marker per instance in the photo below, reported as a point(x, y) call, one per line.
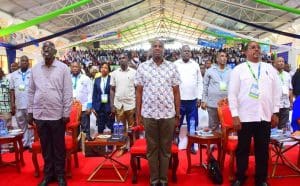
point(23, 76)
point(75, 82)
point(251, 70)
point(221, 73)
point(104, 80)
point(281, 77)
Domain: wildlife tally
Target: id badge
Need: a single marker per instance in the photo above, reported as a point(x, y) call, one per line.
point(104, 98)
point(21, 87)
point(254, 91)
point(223, 86)
point(285, 90)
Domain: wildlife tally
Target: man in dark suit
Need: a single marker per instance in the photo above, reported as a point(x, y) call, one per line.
point(101, 99)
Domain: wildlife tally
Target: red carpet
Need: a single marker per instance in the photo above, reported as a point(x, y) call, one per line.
point(10, 177)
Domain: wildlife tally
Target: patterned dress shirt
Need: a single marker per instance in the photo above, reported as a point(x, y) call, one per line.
point(4, 96)
point(158, 83)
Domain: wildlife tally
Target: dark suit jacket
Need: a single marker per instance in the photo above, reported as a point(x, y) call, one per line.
point(97, 92)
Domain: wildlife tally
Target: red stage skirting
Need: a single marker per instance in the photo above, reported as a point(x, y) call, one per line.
point(198, 176)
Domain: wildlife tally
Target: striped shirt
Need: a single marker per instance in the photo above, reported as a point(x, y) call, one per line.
point(4, 96)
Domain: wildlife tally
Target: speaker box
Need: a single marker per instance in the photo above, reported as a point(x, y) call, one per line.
point(96, 44)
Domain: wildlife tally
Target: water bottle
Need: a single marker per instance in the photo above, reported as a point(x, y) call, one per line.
point(288, 130)
point(121, 129)
point(3, 129)
point(192, 126)
point(116, 129)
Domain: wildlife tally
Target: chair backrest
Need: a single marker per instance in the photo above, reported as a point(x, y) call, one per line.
point(75, 113)
point(224, 113)
point(226, 120)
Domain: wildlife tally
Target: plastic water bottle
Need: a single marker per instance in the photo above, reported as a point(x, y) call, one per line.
point(192, 126)
point(3, 129)
point(121, 129)
point(116, 129)
point(288, 131)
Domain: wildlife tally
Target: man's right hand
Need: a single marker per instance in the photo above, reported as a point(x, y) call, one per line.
point(138, 120)
point(30, 118)
point(203, 105)
point(113, 110)
point(237, 123)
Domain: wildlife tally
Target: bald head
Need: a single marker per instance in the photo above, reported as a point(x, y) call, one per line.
point(49, 51)
point(157, 48)
point(186, 53)
point(279, 63)
point(14, 66)
point(24, 63)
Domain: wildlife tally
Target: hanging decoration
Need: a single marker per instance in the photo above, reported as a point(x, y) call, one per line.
point(278, 6)
point(41, 19)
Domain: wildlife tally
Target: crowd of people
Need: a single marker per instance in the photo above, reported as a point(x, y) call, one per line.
point(156, 88)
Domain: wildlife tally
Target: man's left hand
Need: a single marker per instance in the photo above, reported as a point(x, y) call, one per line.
point(177, 120)
point(88, 111)
point(198, 103)
point(66, 120)
point(274, 120)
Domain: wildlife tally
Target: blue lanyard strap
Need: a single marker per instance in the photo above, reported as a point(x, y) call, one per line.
point(75, 82)
point(251, 70)
point(23, 76)
point(221, 73)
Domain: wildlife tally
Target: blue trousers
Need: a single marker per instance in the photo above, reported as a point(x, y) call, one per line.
point(188, 109)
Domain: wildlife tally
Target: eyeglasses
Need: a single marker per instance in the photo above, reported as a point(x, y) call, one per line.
point(254, 47)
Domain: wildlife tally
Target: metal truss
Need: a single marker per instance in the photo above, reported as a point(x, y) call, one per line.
point(154, 18)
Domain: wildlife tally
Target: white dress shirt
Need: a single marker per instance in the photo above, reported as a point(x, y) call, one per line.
point(83, 90)
point(125, 89)
point(191, 85)
point(251, 109)
point(286, 84)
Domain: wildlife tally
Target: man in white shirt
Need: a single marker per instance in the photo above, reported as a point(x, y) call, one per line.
point(19, 81)
point(190, 88)
point(122, 93)
point(254, 100)
point(286, 99)
point(82, 91)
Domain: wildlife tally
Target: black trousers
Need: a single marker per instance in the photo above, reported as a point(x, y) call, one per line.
point(85, 123)
point(52, 137)
point(104, 119)
point(260, 131)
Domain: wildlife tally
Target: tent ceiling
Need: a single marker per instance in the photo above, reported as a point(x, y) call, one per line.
point(155, 18)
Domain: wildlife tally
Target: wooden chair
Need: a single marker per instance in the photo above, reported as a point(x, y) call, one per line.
point(71, 142)
point(229, 138)
point(139, 149)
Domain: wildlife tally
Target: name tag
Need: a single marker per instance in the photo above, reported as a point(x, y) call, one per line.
point(254, 91)
point(21, 87)
point(223, 86)
point(285, 90)
point(104, 98)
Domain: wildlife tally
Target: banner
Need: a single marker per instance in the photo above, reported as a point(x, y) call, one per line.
point(210, 44)
point(41, 19)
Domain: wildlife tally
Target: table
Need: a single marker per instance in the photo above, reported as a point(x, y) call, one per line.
point(279, 150)
point(114, 164)
point(16, 139)
point(201, 140)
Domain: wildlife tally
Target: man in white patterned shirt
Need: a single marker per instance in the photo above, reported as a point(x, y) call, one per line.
point(158, 102)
